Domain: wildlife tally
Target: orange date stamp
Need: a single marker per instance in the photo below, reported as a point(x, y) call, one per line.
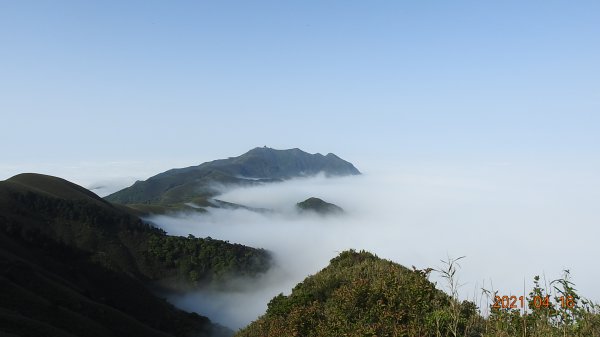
point(514, 302)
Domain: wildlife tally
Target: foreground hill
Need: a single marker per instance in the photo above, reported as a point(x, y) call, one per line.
point(195, 184)
point(75, 264)
point(358, 294)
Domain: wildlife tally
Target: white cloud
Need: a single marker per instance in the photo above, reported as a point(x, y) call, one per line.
point(511, 226)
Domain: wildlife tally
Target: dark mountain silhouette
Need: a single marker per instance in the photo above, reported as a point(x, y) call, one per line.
point(172, 189)
point(73, 264)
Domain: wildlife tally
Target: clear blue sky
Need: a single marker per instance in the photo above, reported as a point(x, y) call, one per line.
point(176, 80)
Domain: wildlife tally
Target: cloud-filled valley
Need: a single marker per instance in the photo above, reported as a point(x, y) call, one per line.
point(510, 225)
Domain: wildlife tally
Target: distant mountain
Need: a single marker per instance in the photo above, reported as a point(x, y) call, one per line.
point(359, 294)
point(74, 264)
point(196, 184)
point(319, 206)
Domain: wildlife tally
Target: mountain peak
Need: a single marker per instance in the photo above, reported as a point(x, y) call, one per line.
point(319, 206)
point(358, 294)
point(265, 149)
point(260, 164)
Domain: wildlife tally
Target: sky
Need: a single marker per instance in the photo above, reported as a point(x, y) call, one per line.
point(133, 88)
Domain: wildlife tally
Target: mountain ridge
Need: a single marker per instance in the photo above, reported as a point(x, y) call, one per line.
point(197, 183)
point(72, 264)
point(358, 294)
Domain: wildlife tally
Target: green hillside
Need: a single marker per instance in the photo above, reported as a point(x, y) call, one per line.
point(73, 264)
point(116, 238)
point(195, 184)
point(358, 294)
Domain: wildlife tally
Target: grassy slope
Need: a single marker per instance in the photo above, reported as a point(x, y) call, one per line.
point(73, 264)
point(49, 289)
point(115, 237)
point(358, 294)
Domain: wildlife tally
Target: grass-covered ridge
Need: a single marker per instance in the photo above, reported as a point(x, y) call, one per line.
point(33, 204)
point(359, 294)
point(72, 264)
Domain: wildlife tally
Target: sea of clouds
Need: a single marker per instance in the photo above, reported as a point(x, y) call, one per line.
point(510, 224)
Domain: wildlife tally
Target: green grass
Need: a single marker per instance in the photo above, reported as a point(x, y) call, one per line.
point(359, 294)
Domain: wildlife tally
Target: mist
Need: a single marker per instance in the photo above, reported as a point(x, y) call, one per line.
point(511, 223)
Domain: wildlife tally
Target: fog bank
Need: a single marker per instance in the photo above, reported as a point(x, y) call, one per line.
point(510, 224)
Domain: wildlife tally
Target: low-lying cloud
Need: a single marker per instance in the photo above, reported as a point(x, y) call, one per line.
point(510, 226)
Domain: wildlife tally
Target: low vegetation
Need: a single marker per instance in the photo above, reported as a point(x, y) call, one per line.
point(359, 294)
point(555, 310)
